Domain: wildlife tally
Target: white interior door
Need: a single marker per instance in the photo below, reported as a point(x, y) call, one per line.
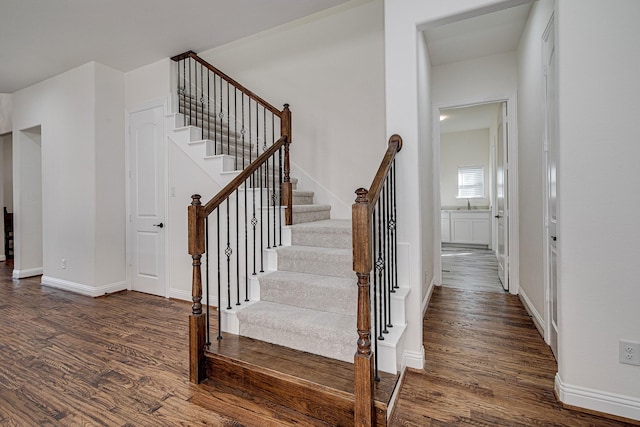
point(147, 207)
point(502, 202)
point(551, 151)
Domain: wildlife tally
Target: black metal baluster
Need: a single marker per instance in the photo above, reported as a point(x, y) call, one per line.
point(280, 193)
point(228, 123)
point(190, 97)
point(273, 181)
point(184, 92)
point(235, 125)
point(206, 271)
point(243, 132)
point(219, 281)
point(228, 251)
point(246, 243)
point(237, 249)
point(208, 106)
point(385, 284)
point(380, 270)
point(221, 116)
point(268, 196)
point(375, 301)
point(197, 99)
point(254, 220)
point(395, 227)
point(388, 259)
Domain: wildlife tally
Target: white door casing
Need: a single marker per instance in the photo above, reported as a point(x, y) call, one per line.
point(147, 207)
point(502, 198)
point(551, 169)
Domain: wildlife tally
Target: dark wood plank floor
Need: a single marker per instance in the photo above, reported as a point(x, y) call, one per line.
point(121, 360)
point(486, 366)
point(470, 268)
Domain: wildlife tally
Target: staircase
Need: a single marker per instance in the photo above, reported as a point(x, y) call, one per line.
point(292, 339)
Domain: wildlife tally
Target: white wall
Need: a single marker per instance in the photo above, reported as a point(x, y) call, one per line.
point(468, 148)
point(475, 79)
point(531, 129)
point(7, 170)
point(329, 68)
point(148, 83)
point(65, 107)
point(5, 113)
point(109, 177)
point(597, 204)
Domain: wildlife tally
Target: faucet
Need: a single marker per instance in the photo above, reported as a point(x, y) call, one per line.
point(468, 205)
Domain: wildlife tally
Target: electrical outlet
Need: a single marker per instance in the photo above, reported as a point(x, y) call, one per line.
point(629, 352)
point(64, 263)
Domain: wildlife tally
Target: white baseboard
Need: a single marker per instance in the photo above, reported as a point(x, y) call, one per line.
point(596, 400)
point(427, 297)
point(179, 294)
point(83, 289)
point(538, 320)
point(29, 272)
point(413, 359)
point(3, 257)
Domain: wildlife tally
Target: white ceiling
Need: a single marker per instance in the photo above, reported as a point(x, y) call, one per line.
point(468, 118)
point(476, 37)
point(40, 39)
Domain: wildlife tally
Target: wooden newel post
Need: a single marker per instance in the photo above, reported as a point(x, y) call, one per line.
point(362, 264)
point(197, 320)
point(287, 190)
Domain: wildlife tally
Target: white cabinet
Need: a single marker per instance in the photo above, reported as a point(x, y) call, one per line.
point(445, 227)
point(466, 227)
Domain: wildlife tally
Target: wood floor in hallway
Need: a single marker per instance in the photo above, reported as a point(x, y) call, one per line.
point(470, 268)
point(121, 360)
point(486, 365)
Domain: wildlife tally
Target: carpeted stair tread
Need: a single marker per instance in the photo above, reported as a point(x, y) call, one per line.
point(319, 332)
point(335, 262)
point(333, 233)
point(312, 291)
point(310, 213)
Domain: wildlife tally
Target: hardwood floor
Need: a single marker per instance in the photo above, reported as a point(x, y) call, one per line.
point(121, 360)
point(486, 366)
point(470, 268)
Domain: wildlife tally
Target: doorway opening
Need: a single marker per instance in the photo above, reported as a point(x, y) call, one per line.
point(474, 198)
point(28, 205)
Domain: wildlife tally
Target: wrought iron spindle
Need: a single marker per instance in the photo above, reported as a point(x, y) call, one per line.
point(246, 246)
point(387, 229)
point(273, 181)
point(375, 299)
point(395, 226)
point(383, 258)
point(206, 271)
point(190, 96)
point(228, 251)
point(219, 273)
point(237, 250)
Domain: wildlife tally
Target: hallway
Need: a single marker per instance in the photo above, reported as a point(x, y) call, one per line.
point(469, 268)
point(486, 365)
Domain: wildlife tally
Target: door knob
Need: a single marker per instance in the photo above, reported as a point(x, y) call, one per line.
point(498, 216)
point(159, 225)
point(554, 238)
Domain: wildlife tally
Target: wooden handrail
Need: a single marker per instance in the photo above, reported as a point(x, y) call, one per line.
point(243, 176)
point(191, 54)
point(362, 227)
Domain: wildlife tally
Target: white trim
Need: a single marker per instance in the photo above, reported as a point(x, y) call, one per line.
point(182, 295)
point(513, 219)
point(29, 272)
point(538, 320)
point(427, 297)
point(80, 288)
point(394, 395)
point(164, 103)
point(412, 359)
point(596, 400)
point(3, 258)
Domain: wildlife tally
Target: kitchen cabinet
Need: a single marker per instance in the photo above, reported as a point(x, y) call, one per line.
point(445, 227)
point(466, 226)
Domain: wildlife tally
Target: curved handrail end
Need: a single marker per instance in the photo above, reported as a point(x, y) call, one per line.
point(396, 138)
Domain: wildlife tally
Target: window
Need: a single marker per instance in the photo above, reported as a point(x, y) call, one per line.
point(470, 182)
